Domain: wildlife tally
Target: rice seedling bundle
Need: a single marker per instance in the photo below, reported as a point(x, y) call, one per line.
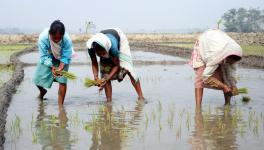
point(89, 82)
point(242, 90)
point(66, 74)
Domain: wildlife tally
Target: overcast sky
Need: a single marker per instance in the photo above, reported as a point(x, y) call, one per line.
point(132, 15)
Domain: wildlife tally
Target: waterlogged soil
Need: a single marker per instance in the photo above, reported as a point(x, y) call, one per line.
point(4, 57)
point(169, 119)
point(83, 57)
point(185, 52)
point(5, 74)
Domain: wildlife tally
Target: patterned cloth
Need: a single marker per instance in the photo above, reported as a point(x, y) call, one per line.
point(105, 70)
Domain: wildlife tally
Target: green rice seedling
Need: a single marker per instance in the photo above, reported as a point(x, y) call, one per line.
point(250, 118)
point(160, 126)
point(153, 115)
point(32, 122)
point(171, 115)
point(67, 75)
point(89, 82)
point(256, 127)
point(234, 121)
point(242, 90)
point(178, 132)
point(147, 121)
point(246, 99)
point(15, 128)
point(88, 127)
point(159, 106)
point(34, 138)
point(53, 119)
point(188, 121)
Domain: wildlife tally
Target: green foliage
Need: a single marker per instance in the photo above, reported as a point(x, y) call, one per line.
point(12, 47)
point(256, 50)
point(243, 20)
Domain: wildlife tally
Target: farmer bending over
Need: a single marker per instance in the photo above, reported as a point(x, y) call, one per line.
point(213, 59)
point(112, 47)
point(55, 49)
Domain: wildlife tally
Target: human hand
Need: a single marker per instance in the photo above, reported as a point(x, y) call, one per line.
point(234, 91)
point(102, 82)
point(227, 89)
point(53, 70)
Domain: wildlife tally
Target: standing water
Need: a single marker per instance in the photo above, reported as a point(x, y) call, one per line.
point(169, 120)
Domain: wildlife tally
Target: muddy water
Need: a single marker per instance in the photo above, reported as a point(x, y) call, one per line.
point(82, 56)
point(168, 121)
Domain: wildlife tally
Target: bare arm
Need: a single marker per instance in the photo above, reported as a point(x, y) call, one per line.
point(95, 68)
point(215, 83)
point(115, 69)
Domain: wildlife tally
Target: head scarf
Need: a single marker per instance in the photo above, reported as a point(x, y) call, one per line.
point(55, 48)
point(100, 39)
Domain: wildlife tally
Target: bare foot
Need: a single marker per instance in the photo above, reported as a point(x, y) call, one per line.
point(42, 94)
point(141, 98)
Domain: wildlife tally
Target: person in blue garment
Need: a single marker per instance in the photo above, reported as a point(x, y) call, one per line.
point(55, 49)
point(112, 47)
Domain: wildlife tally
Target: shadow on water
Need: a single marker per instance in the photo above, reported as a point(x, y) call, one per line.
point(51, 131)
point(212, 131)
point(110, 129)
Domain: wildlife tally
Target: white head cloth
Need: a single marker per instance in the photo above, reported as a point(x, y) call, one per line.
point(100, 39)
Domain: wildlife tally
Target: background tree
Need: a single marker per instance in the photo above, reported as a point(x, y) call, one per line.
point(243, 20)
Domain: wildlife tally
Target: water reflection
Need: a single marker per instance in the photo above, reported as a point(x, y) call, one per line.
point(215, 131)
point(51, 131)
point(111, 128)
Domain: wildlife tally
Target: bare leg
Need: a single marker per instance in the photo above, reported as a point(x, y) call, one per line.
point(227, 98)
point(42, 92)
point(108, 91)
point(219, 76)
point(137, 87)
point(62, 93)
point(219, 81)
point(198, 96)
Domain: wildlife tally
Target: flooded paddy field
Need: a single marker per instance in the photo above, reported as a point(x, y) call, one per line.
point(6, 73)
point(6, 68)
point(83, 57)
point(6, 50)
point(169, 119)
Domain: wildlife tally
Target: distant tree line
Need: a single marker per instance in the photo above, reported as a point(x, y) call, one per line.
point(244, 20)
point(10, 31)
